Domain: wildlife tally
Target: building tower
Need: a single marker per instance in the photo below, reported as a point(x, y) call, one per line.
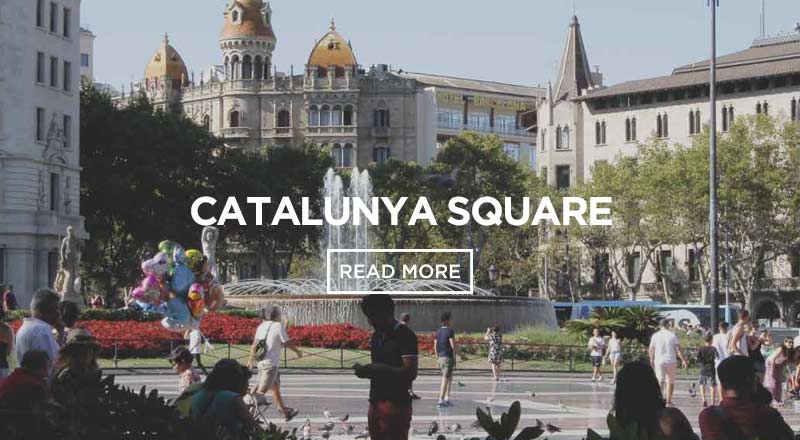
point(247, 40)
point(165, 74)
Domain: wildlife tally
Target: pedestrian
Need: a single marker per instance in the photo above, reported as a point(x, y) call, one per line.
point(77, 368)
point(36, 332)
point(738, 342)
point(664, 353)
point(196, 343)
point(219, 404)
point(775, 366)
point(272, 336)
point(26, 387)
point(614, 354)
point(6, 345)
point(495, 340)
point(639, 407)
point(597, 346)
point(754, 344)
point(69, 316)
point(181, 359)
point(393, 368)
point(405, 319)
point(720, 342)
point(707, 358)
point(444, 345)
point(97, 302)
point(740, 414)
point(9, 299)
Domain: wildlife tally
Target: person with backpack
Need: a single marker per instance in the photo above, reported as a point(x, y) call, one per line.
point(742, 414)
point(271, 336)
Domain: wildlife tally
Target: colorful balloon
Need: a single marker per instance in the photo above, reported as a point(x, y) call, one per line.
point(196, 300)
point(196, 261)
point(178, 317)
point(181, 281)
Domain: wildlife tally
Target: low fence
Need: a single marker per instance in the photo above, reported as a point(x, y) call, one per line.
point(517, 356)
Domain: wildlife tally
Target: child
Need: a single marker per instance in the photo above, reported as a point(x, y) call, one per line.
point(196, 345)
point(707, 357)
point(181, 360)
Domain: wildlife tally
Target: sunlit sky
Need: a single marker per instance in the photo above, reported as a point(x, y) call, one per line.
point(514, 41)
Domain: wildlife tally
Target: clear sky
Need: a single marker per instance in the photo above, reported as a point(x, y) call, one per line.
point(515, 41)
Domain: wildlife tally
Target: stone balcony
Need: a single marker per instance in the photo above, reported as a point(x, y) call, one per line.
point(279, 132)
point(236, 132)
point(381, 132)
point(332, 131)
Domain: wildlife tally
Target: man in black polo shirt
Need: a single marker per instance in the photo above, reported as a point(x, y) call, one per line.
point(393, 349)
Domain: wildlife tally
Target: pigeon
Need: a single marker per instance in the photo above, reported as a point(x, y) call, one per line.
point(344, 418)
point(307, 429)
point(532, 394)
point(349, 429)
point(475, 425)
point(441, 437)
point(552, 428)
point(461, 384)
point(326, 435)
point(328, 426)
point(327, 414)
point(433, 428)
point(364, 435)
point(693, 390)
point(454, 427)
point(563, 406)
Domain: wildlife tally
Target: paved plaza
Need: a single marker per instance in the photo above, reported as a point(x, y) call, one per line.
point(570, 402)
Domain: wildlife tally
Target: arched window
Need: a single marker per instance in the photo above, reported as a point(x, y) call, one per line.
point(724, 118)
point(697, 125)
point(325, 116)
point(227, 68)
point(659, 127)
point(380, 155)
point(691, 122)
point(235, 73)
point(597, 139)
point(322, 72)
point(544, 138)
point(266, 68)
point(247, 67)
point(666, 125)
point(235, 119)
point(313, 116)
point(259, 68)
point(339, 72)
point(628, 129)
point(382, 118)
point(347, 156)
point(565, 143)
point(558, 138)
point(284, 119)
point(603, 132)
point(235, 16)
point(336, 152)
point(207, 122)
point(633, 128)
point(336, 116)
point(348, 116)
point(730, 116)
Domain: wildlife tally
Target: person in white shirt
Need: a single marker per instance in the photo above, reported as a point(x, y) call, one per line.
point(196, 345)
point(664, 353)
point(597, 345)
point(738, 342)
point(274, 336)
point(721, 341)
point(614, 354)
point(37, 332)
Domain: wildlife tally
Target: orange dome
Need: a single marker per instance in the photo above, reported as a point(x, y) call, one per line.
point(332, 49)
point(166, 62)
point(245, 19)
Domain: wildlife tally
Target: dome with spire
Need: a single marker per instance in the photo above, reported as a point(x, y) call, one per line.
point(332, 50)
point(166, 62)
point(247, 19)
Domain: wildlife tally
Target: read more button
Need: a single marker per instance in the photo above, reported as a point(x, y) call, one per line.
point(399, 271)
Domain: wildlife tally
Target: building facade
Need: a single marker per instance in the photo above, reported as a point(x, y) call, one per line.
point(87, 55)
point(39, 136)
point(363, 115)
point(583, 123)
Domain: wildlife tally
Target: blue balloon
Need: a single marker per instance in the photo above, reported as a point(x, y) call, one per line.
point(181, 281)
point(178, 317)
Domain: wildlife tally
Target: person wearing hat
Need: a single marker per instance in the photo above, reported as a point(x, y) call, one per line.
point(76, 368)
point(181, 359)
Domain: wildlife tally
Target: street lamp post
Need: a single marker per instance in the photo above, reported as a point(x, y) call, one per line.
point(713, 200)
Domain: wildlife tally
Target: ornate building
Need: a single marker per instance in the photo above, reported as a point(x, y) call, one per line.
point(39, 136)
point(363, 115)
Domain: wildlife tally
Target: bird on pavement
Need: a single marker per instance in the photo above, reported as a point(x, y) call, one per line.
point(364, 435)
point(349, 429)
point(327, 414)
point(693, 390)
point(344, 418)
point(552, 428)
point(433, 428)
point(326, 435)
point(441, 437)
point(532, 394)
point(563, 406)
point(454, 427)
point(461, 384)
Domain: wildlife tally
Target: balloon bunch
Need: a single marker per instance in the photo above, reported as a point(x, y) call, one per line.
point(180, 284)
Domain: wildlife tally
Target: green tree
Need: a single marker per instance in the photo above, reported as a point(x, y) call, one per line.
point(142, 169)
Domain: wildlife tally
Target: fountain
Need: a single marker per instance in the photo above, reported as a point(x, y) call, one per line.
point(305, 301)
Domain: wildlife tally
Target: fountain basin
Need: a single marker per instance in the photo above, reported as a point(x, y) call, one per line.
point(471, 313)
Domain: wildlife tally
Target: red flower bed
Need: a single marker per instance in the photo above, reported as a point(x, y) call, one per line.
point(149, 339)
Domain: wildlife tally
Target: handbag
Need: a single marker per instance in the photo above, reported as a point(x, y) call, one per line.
point(261, 347)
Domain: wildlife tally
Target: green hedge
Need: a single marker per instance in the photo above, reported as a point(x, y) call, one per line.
point(127, 315)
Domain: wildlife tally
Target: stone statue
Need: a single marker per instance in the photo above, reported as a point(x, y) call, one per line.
point(68, 281)
point(209, 239)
